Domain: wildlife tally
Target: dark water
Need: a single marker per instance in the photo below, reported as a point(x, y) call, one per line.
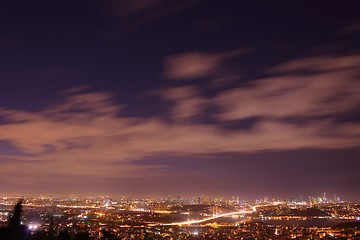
point(6, 207)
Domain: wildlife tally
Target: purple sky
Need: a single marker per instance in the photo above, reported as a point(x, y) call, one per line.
point(189, 98)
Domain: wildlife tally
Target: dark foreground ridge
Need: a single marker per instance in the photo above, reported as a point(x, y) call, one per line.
point(16, 231)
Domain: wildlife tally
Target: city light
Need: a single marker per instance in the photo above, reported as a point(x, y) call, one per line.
point(210, 216)
point(33, 227)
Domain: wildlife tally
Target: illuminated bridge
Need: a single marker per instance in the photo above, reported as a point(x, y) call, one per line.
point(189, 222)
point(207, 219)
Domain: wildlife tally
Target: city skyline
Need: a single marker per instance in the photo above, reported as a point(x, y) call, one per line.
point(189, 98)
point(120, 218)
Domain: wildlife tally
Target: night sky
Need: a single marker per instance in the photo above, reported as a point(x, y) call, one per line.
point(189, 98)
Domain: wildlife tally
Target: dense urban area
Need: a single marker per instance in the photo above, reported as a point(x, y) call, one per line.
point(178, 218)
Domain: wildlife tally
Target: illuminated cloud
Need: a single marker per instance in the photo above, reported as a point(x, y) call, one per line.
point(187, 102)
point(192, 65)
point(331, 87)
point(88, 135)
point(319, 64)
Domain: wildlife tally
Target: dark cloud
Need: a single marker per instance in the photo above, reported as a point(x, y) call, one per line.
point(134, 14)
point(351, 28)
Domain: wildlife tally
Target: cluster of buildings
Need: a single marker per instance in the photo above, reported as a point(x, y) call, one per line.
point(126, 218)
point(254, 230)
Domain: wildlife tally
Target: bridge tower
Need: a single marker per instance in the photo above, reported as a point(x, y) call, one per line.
point(215, 211)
